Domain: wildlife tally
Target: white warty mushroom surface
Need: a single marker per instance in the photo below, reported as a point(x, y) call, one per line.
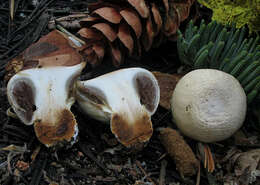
point(208, 105)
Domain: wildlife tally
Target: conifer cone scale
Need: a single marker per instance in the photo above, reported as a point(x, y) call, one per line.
point(126, 27)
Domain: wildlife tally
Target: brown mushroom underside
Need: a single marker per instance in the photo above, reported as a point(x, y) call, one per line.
point(131, 134)
point(51, 134)
point(146, 91)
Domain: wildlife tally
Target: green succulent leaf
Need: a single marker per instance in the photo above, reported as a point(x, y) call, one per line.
point(224, 48)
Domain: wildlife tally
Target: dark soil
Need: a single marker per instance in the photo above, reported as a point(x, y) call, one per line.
point(98, 158)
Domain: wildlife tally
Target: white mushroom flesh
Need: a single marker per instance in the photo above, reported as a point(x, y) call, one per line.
point(127, 98)
point(43, 97)
point(208, 105)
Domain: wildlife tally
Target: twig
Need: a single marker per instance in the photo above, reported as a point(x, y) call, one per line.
point(35, 153)
point(198, 176)
point(70, 35)
point(12, 9)
point(35, 14)
point(88, 153)
point(70, 21)
point(163, 172)
point(38, 171)
point(162, 156)
point(144, 172)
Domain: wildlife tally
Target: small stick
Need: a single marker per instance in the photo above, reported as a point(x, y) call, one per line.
point(9, 158)
point(12, 9)
point(162, 156)
point(68, 34)
point(70, 21)
point(198, 176)
point(35, 153)
point(163, 172)
point(205, 157)
point(144, 172)
point(69, 17)
point(85, 150)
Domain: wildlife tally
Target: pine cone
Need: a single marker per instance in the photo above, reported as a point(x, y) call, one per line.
point(126, 27)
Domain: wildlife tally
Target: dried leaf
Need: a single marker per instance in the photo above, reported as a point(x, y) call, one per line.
point(167, 83)
point(246, 166)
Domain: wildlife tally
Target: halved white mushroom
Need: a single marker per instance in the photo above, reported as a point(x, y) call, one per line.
point(42, 97)
point(127, 98)
point(41, 91)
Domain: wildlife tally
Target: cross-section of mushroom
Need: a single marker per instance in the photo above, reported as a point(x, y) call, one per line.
point(127, 98)
point(41, 93)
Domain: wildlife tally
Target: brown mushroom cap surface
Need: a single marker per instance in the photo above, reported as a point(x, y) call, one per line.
point(53, 49)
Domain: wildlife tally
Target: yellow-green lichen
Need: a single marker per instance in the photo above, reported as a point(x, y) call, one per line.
point(240, 12)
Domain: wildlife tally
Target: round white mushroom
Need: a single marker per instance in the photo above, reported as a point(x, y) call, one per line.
point(208, 105)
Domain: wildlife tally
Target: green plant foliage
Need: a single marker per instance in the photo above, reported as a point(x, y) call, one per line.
point(241, 12)
point(224, 48)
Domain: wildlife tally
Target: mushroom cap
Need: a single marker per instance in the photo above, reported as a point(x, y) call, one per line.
point(208, 105)
point(53, 49)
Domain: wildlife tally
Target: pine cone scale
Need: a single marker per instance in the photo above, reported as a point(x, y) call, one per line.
point(107, 30)
point(99, 50)
point(157, 19)
point(166, 5)
point(116, 54)
point(148, 37)
point(141, 7)
point(109, 13)
point(125, 37)
point(89, 33)
point(136, 24)
point(133, 20)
